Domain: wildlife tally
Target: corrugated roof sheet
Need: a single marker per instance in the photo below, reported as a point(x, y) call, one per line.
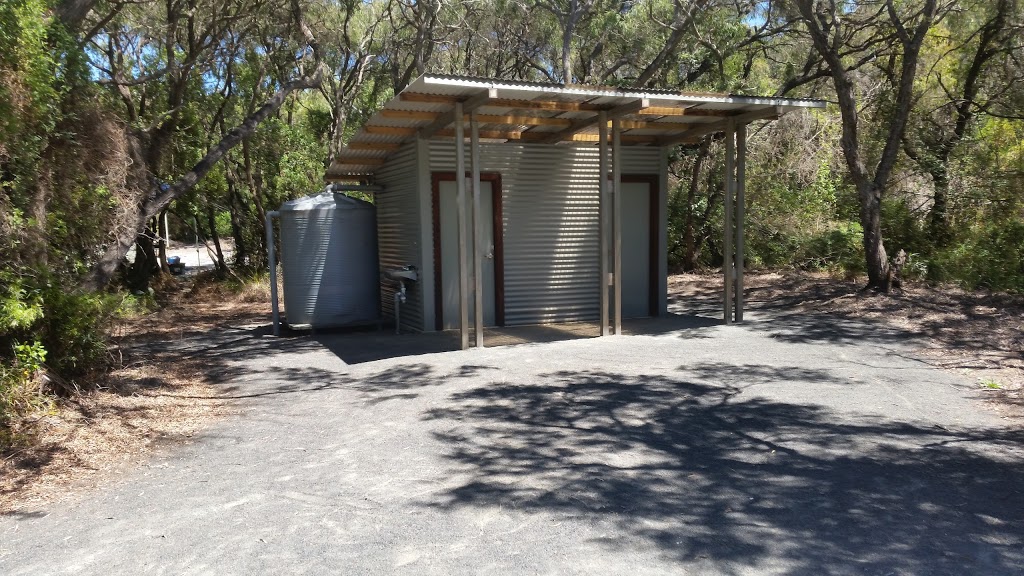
point(555, 113)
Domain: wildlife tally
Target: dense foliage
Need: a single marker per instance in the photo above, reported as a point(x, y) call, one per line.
point(115, 112)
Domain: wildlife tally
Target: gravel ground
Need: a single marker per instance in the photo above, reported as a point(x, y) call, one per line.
point(791, 444)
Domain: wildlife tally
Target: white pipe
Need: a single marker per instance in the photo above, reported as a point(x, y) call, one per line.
point(272, 256)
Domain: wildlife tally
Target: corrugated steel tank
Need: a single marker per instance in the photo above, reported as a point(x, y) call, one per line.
point(329, 261)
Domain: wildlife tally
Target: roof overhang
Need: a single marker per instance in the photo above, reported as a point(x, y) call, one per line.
point(546, 113)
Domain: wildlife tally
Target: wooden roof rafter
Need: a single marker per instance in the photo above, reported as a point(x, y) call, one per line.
point(523, 120)
point(710, 128)
point(448, 117)
point(584, 123)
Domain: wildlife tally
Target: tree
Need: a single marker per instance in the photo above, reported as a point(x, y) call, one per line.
point(192, 43)
point(965, 79)
point(834, 25)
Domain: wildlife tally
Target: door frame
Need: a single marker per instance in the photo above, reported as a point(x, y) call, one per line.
point(653, 186)
point(499, 244)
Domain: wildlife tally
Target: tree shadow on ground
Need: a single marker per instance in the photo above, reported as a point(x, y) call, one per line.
point(710, 474)
point(223, 353)
point(986, 329)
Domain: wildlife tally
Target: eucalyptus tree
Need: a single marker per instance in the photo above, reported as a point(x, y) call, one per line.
point(887, 30)
point(970, 73)
point(150, 71)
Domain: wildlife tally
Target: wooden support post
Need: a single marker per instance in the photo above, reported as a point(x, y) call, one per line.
point(460, 201)
point(741, 177)
point(617, 224)
point(602, 146)
point(478, 249)
point(729, 232)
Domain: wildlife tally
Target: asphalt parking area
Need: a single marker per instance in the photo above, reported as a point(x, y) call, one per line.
point(787, 445)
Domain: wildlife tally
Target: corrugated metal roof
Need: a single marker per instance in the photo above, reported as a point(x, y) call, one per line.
point(554, 113)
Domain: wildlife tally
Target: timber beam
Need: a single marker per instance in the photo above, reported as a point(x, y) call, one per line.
point(381, 146)
point(562, 106)
point(691, 112)
point(359, 160)
point(522, 120)
point(770, 113)
point(584, 123)
point(447, 118)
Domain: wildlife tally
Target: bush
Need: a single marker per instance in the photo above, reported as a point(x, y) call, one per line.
point(837, 248)
point(45, 330)
point(72, 330)
point(253, 287)
point(990, 257)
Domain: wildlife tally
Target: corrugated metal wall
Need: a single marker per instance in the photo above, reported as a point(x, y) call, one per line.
point(550, 220)
point(398, 232)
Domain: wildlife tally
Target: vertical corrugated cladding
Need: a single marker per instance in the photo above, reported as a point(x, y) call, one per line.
point(550, 223)
point(398, 232)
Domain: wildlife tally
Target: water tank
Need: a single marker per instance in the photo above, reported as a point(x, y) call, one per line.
point(329, 261)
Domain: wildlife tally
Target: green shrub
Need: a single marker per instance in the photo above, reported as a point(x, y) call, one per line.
point(72, 330)
point(837, 248)
point(991, 256)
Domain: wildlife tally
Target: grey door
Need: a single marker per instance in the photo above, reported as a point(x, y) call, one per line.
point(449, 247)
point(636, 249)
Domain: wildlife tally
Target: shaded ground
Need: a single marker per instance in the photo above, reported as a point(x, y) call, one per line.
point(793, 444)
point(979, 335)
point(162, 395)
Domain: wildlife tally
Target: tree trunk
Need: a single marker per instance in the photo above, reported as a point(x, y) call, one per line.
point(72, 12)
point(874, 250)
point(691, 255)
point(255, 180)
point(146, 265)
point(156, 199)
point(938, 220)
point(35, 250)
point(234, 207)
point(825, 24)
point(567, 55)
point(211, 218)
point(161, 227)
